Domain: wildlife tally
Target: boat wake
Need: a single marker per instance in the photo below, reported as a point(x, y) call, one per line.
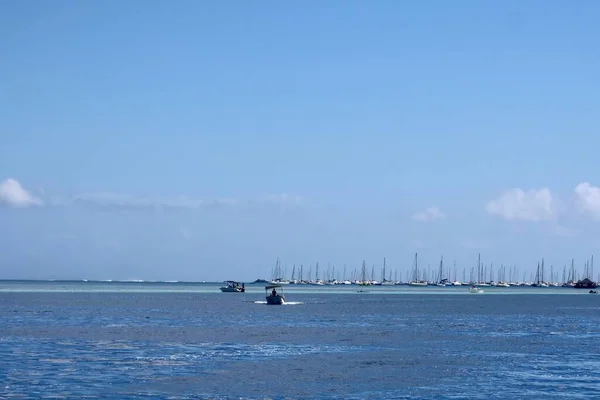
point(287, 303)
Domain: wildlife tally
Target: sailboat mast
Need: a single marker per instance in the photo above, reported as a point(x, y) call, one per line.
point(417, 266)
point(364, 272)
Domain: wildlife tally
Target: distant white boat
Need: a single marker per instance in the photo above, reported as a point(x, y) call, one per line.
point(475, 289)
point(279, 282)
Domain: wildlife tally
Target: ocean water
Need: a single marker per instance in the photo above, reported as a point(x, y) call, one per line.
point(189, 341)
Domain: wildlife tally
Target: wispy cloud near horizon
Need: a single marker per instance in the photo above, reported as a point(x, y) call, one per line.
point(431, 214)
point(125, 201)
point(13, 194)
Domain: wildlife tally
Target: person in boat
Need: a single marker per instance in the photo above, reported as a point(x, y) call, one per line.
point(243, 287)
point(274, 293)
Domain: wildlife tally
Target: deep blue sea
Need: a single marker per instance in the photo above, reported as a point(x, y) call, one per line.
point(189, 341)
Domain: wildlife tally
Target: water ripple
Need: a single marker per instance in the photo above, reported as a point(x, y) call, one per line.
point(184, 346)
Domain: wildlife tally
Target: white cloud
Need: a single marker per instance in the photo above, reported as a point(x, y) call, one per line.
point(13, 194)
point(129, 201)
point(588, 199)
point(515, 204)
point(125, 201)
point(282, 198)
point(431, 214)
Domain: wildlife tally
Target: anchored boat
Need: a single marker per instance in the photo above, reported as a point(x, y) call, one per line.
point(233, 287)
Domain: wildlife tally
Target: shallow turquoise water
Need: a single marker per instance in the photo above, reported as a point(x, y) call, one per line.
point(258, 289)
point(111, 340)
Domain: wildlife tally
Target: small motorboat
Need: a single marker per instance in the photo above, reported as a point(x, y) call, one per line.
point(274, 297)
point(233, 287)
point(475, 289)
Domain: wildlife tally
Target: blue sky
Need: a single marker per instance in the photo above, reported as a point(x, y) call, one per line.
point(202, 140)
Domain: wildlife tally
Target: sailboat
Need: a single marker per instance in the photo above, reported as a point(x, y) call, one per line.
point(416, 281)
point(277, 279)
point(318, 281)
point(294, 281)
point(441, 281)
point(539, 278)
point(456, 282)
point(364, 281)
point(480, 273)
point(571, 280)
point(384, 281)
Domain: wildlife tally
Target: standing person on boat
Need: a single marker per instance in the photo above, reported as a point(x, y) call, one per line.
point(243, 287)
point(274, 292)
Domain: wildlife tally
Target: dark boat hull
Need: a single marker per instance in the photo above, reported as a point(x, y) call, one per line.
point(275, 300)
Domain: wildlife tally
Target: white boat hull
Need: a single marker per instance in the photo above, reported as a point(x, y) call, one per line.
point(230, 290)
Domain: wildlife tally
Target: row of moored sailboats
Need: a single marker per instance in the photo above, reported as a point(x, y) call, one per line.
point(418, 277)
